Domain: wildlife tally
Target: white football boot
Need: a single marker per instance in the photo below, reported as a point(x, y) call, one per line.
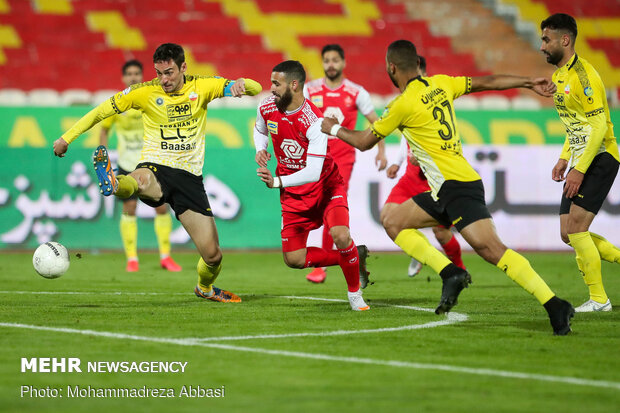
point(357, 302)
point(592, 306)
point(414, 268)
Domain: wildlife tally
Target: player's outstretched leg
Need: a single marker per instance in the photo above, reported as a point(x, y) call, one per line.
point(606, 249)
point(103, 168)
point(205, 288)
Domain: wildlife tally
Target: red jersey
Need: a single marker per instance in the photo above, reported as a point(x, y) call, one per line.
point(343, 104)
point(289, 134)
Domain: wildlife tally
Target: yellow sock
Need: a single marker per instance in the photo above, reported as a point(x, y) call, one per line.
point(207, 275)
point(416, 245)
point(520, 271)
point(163, 227)
point(608, 251)
point(589, 263)
point(129, 234)
point(127, 186)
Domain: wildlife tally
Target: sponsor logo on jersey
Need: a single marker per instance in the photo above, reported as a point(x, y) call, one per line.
point(348, 101)
point(193, 96)
point(588, 91)
point(179, 111)
point(292, 148)
point(159, 101)
point(126, 90)
point(272, 127)
point(166, 146)
point(317, 100)
point(332, 94)
point(567, 89)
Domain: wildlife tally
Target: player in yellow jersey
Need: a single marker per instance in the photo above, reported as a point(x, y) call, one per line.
point(581, 103)
point(174, 110)
point(423, 112)
point(129, 134)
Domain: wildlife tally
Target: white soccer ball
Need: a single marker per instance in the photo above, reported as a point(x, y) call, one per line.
point(51, 260)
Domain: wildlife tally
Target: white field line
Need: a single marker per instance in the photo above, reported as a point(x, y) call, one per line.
point(326, 357)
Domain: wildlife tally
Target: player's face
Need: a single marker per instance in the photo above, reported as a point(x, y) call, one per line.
point(333, 64)
point(281, 89)
point(552, 45)
point(132, 75)
point(170, 76)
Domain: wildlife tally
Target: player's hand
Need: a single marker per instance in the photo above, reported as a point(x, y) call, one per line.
point(327, 124)
point(413, 160)
point(265, 175)
point(238, 89)
point(380, 161)
point(60, 147)
point(262, 157)
point(392, 171)
point(573, 182)
point(557, 173)
point(544, 86)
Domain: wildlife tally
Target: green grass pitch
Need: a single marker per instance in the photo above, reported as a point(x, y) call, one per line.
point(502, 358)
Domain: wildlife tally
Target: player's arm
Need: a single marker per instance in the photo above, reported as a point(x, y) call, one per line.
point(104, 110)
point(242, 86)
point(557, 173)
point(317, 150)
point(403, 149)
point(261, 140)
point(541, 85)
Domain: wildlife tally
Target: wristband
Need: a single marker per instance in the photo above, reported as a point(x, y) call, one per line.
point(334, 130)
point(277, 182)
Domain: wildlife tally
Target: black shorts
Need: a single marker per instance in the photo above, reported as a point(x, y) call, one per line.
point(121, 171)
point(181, 189)
point(596, 184)
point(459, 204)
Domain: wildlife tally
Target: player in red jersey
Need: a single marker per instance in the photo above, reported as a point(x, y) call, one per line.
point(311, 189)
point(414, 182)
point(338, 97)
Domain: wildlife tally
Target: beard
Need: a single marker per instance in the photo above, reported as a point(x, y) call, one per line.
point(283, 101)
point(554, 57)
point(393, 80)
point(333, 74)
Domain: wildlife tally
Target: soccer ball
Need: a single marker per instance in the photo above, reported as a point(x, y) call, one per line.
point(51, 260)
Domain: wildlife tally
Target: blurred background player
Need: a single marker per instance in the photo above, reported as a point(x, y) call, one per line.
point(337, 96)
point(312, 192)
point(409, 185)
point(174, 110)
point(130, 136)
point(581, 102)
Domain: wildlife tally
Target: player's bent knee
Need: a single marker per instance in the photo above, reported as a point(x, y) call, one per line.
point(212, 256)
point(341, 237)
point(294, 260)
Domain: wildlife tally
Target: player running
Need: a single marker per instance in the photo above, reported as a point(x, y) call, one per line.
point(414, 182)
point(174, 110)
point(311, 189)
point(337, 96)
point(582, 105)
point(423, 112)
point(129, 132)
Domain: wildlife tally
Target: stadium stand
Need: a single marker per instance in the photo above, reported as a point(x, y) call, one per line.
point(69, 44)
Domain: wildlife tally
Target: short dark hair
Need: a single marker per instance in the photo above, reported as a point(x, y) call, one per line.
point(403, 54)
point(560, 21)
point(130, 63)
point(422, 63)
point(292, 69)
point(169, 51)
point(333, 48)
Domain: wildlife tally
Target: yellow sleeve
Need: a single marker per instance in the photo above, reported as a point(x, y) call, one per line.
point(592, 96)
point(107, 123)
point(104, 110)
point(458, 86)
point(391, 119)
point(566, 152)
point(252, 87)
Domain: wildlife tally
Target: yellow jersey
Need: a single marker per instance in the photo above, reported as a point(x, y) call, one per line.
point(174, 123)
point(129, 134)
point(424, 114)
point(581, 102)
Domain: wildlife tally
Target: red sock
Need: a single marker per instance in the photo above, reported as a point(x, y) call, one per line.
point(350, 263)
point(453, 251)
point(328, 242)
point(318, 257)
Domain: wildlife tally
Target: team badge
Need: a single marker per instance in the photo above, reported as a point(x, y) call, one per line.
point(567, 89)
point(348, 101)
point(317, 100)
point(588, 91)
point(272, 127)
point(159, 101)
point(193, 96)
